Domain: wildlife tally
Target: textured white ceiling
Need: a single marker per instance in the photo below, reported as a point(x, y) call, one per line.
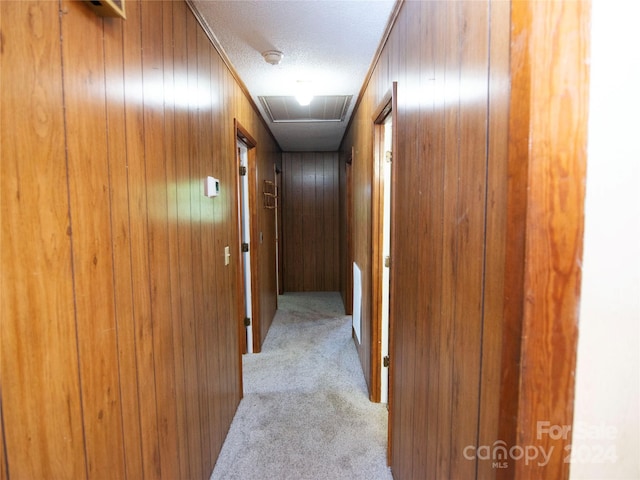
point(328, 42)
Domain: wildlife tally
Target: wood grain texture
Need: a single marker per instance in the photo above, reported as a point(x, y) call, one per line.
point(487, 241)
point(493, 327)
point(183, 57)
point(43, 438)
point(266, 240)
point(120, 225)
point(170, 149)
point(254, 233)
point(310, 221)
point(377, 261)
point(162, 322)
point(517, 171)
point(279, 233)
point(558, 49)
point(139, 246)
point(447, 232)
point(119, 346)
point(91, 246)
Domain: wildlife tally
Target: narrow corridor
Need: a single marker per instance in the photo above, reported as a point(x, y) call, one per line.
point(305, 412)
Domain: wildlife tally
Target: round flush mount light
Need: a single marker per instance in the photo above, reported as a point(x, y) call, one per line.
point(272, 56)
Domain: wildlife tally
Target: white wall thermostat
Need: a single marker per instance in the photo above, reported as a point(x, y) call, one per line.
point(211, 187)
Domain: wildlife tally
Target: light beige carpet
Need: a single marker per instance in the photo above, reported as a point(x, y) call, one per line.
point(306, 412)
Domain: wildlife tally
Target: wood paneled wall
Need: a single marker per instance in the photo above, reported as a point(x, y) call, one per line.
point(119, 348)
point(486, 244)
point(450, 60)
point(310, 221)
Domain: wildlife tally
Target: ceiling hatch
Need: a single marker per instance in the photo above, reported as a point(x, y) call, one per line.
point(323, 108)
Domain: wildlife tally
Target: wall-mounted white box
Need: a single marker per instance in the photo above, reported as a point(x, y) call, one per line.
point(211, 187)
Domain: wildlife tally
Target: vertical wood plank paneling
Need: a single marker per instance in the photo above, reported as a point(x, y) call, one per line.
point(407, 118)
point(156, 201)
point(310, 217)
point(235, 391)
point(91, 246)
point(471, 235)
point(183, 22)
point(119, 343)
point(44, 438)
point(299, 255)
point(286, 228)
point(309, 214)
point(216, 256)
point(320, 212)
point(457, 380)
point(235, 329)
point(440, 373)
point(448, 240)
point(134, 118)
point(168, 38)
point(493, 321)
point(119, 199)
point(406, 324)
point(210, 319)
point(451, 79)
point(427, 258)
point(207, 314)
point(293, 241)
point(195, 195)
point(433, 118)
point(329, 214)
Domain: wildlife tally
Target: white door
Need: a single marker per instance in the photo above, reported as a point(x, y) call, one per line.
point(386, 252)
point(246, 239)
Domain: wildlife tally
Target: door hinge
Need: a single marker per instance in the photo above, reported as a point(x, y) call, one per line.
point(243, 171)
point(388, 155)
point(387, 261)
point(245, 247)
point(247, 322)
point(385, 361)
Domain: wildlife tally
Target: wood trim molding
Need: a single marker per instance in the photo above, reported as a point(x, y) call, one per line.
point(547, 168)
point(243, 134)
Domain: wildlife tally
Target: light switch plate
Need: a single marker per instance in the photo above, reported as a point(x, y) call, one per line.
point(211, 187)
point(227, 255)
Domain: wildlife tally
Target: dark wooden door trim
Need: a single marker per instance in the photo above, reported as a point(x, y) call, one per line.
point(383, 110)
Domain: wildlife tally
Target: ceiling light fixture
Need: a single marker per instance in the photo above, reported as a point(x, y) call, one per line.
point(303, 93)
point(272, 56)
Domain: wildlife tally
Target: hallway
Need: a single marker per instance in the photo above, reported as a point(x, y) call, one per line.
point(513, 299)
point(305, 412)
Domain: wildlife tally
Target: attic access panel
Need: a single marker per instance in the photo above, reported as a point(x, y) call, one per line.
point(323, 108)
